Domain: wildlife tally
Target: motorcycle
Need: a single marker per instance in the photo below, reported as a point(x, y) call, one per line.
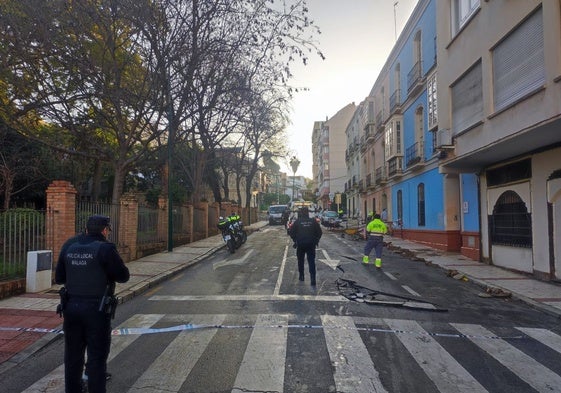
point(227, 230)
point(239, 233)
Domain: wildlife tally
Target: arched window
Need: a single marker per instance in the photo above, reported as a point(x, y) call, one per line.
point(511, 224)
point(421, 204)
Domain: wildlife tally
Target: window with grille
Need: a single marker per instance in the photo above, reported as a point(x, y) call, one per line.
point(511, 224)
point(518, 63)
point(431, 102)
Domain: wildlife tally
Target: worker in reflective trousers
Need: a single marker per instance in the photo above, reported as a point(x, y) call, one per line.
point(375, 231)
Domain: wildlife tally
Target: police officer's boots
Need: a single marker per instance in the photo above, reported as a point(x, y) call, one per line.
point(313, 279)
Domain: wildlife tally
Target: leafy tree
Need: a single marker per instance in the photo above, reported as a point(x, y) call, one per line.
point(120, 78)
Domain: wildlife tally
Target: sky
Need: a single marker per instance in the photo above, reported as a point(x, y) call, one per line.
point(356, 38)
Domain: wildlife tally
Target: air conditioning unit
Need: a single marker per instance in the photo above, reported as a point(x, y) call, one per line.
point(444, 139)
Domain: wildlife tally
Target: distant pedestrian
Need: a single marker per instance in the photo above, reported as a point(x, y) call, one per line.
point(306, 233)
point(88, 266)
point(375, 231)
point(384, 215)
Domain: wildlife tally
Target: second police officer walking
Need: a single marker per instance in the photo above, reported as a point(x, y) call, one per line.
point(375, 231)
point(88, 266)
point(306, 233)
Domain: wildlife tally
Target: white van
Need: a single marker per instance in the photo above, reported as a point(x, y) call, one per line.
point(275, 213)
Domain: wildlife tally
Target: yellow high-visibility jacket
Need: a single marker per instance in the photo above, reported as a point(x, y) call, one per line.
point(377, 227)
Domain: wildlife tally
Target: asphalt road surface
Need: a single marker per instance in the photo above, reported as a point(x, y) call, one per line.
point(244, 323)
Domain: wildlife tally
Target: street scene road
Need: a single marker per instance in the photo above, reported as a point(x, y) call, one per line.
point(243, 322)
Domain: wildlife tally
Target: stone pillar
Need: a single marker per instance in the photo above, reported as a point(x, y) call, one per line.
point(61, 215)
point(163, 218)
point(204, 207)
point(128, 224)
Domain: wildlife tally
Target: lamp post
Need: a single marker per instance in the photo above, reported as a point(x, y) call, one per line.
point(294, 162)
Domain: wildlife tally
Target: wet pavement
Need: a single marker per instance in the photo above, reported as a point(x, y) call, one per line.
point(28, 322)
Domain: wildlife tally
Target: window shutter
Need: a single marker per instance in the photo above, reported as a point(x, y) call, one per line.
point(518, 63)
point(467, 100)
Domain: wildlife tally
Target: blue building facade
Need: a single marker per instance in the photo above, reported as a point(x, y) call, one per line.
point(424, 204)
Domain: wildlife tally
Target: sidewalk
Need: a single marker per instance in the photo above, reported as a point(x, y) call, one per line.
point(28, 322)
point(495, 281)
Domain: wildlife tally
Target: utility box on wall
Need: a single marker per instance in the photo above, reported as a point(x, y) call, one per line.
point(39, 270)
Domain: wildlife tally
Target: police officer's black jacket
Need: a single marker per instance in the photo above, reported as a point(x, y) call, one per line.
point(87, 264)
point(305, 231)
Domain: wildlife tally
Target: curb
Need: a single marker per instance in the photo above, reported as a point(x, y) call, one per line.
point(483, 284)
point(123, 296)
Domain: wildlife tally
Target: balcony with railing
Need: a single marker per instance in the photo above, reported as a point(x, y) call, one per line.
point(395, 101)
point(414, 79)
point(361, 187)
point(380, 175)
point(363, 144)
point(413, 156)
point(395, 166)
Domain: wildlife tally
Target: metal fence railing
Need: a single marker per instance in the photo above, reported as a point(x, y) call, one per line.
point(24, 230)
point(147, 228)
point(86, 209)
point(21, 230)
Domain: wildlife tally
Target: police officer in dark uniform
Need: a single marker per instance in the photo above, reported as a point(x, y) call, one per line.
point(306, 232)
point(88, 266)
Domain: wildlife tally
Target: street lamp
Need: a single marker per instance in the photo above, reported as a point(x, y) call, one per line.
point(294, 162)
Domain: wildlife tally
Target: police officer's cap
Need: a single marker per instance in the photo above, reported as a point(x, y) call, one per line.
point(97, 223)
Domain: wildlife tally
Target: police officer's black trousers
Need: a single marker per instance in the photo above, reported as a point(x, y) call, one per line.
point(85, 328)
point(308, 251)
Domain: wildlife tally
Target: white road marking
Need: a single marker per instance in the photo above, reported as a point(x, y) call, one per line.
point(168, 372)
point(54, 381)
point(332, 263)
point(544, 336)
point(239, 261)
point(257, 298)
point(447, 374)
point(526, 368)
point(390, 276)
point(411, 291)
point(354, 370)
point(262, 367)
point(281, 272)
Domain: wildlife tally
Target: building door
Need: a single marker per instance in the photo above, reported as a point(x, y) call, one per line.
point(510, 230)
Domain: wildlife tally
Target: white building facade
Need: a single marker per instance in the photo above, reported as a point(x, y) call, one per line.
point(499, 101)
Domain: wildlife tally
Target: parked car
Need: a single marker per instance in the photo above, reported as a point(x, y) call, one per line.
point(330, 219)
point(275, 213)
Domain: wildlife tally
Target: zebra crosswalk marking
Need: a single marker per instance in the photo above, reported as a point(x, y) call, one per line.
point(54, 381)
point(119, 343)
point(545, 336)
point(265, 357)
point(354, 369)
point(526, 368)
point(262, 367)
point(447, 374)
point(168, 372)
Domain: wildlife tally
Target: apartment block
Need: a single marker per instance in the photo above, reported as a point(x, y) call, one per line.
point(499, 107)
point(328, 149)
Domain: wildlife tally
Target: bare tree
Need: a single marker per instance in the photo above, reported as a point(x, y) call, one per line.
point(120, 77)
